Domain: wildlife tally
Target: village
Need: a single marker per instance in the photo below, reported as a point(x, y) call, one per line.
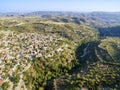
point(18, 50)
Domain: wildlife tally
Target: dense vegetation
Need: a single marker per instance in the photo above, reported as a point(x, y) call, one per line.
point(112, 46)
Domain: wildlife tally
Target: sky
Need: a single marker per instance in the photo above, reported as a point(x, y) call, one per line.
point(59, 5)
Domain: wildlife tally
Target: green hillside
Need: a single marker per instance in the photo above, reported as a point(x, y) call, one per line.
point(71, 51)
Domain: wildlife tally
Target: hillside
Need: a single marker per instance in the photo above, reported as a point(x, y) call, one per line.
point(59, 51)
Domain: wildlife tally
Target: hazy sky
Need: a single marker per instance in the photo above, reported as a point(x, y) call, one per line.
point(59, 5)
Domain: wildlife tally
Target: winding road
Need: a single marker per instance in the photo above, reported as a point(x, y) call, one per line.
point(84, 51)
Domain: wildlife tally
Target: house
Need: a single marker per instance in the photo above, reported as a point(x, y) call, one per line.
point(1, 81)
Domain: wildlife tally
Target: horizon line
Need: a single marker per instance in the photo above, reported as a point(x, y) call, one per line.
point(60, 11)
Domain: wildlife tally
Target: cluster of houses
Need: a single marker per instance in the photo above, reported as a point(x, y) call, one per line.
point(20, 48)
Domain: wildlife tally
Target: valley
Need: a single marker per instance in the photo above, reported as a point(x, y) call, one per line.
point(60, 51)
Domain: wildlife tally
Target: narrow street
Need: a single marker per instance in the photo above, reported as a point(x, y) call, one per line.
point(21, 77)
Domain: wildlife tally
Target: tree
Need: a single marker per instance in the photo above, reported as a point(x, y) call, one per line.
point(5, 86)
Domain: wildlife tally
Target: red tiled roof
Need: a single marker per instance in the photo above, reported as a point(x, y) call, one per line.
point(1, 81)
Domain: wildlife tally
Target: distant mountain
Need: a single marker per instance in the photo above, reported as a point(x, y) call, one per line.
point(103, 21)
point(94, 18)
